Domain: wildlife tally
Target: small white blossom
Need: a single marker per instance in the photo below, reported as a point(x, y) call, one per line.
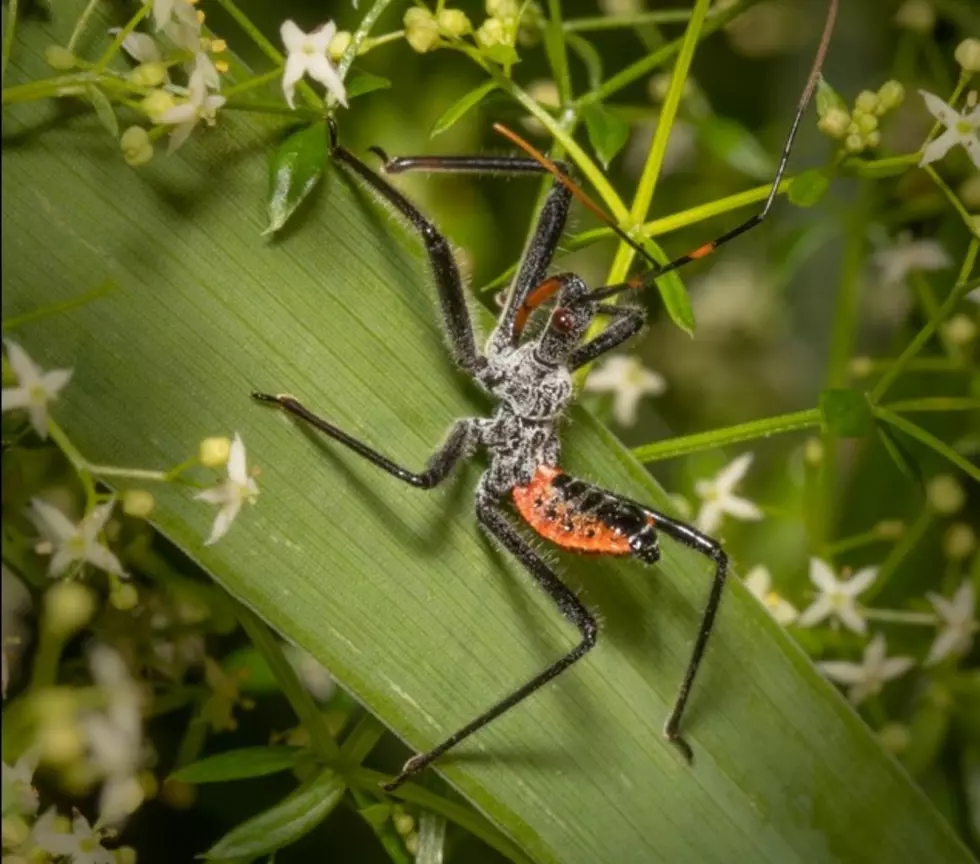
point(19, 794)
point(629, 381)
point(869, 676)
point(82, 846)
point(759, 581)
point(75, 542)
point(307, 55)
point(35, 388)
point(836, 598)
point(201, 104)
point(908, 255)
point(719, 496)
point(115, 736)
point(959, 623)
point(317, 680)
point(142, 47)
point(960, 129)
point(230, 494)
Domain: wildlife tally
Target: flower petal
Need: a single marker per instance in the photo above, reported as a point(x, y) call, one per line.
point(822, 575)
point(292, 37)
point(50, 521)
point(55, 380)
point(38, 413)
point(758, 580)
point(815, 612)
point(608, 375)
point(935, 150)
point(850, 617)
point(732, 473)
point(222, 522)
point(844, 673)
point(295, 69)
point(860, 581)
point(741, 508)
point(625, 405)
point(27, 371)
point(939, 109)
point(972, 146)
point(894, 667)
point(237, 472)
point(14, 398)
point(220, 494)
point(99, 556)
point(709, 517)
point(94, 522)
point(180, 134)
point(186, 112)
point(59, 563)
point(322, 70)
point(945, 644)
point(321, 38)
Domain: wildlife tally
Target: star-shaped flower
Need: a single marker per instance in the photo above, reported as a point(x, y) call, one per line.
point(35, 387)
point(836, 598)
point(82, 846)
point(19, 794)
point(907, 255)
point(230, 494)
point(75, 542)
point(719, 496)
point(869, 676)
point(201, 104)
point(959, 623)
point(759, 581)
point(307, 55)
point(960, 129)
point(629, 381)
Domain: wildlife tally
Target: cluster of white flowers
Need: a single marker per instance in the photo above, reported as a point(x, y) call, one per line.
point(307, 54)
point(68, 542)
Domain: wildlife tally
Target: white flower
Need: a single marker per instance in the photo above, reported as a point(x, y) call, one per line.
point(230, 494)
point(35, 388)
point(629, 381)
point(869, 676)
point(907, 255)
point(719, 498)
point(115, 736)
point(837, 598)
point(140, 46)
point(82, 846)
point(317, 680)
point(959, 623)
point(307, 55)
point(75, 542)
point(960, 129)
point(200, 104)
point(19, 794)
point(759, 581)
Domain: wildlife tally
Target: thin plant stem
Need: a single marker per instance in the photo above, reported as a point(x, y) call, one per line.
point(76, 459)
point(80, 25)
point(10, 30)
point(928, 439)
point(730, 435)
point(857, 541)
point(120, 37)
point(899, 616)
point(634, 19)
point(252, 83)
point(558, 52)
point(359, 35)
point(900, 551)
point(100, 290)
point(935, 403)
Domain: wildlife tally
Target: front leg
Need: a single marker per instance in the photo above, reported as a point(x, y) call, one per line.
point(629, 321)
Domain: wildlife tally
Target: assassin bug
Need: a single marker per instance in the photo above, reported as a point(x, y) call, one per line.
point(531, 378)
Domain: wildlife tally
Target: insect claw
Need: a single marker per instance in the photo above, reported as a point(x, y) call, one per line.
point(685, 749)
point(381, 154)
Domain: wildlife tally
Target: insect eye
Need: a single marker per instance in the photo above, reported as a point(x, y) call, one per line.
point(562, 320)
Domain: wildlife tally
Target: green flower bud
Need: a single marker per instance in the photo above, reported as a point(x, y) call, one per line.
point(854, 144)
point(866, 123)
point(68, 606)
point(124, 596)
point(967, 54)
point(60, 58)
point(421, 29)
point(872, 139)
point(138, 503)
point(454, 22)
point(917, 16)
point(890, 96)
point(136, 146)
point(866, 101)
point(960, 330)
point(156, 103)
point(502, 8)
point(861, 367)
point(404, 823)
point(213, 452)
point(491, 32)
point(149, 74)
point(835, 123)
point(945, 494)
point(339, 44)
point(959, 542)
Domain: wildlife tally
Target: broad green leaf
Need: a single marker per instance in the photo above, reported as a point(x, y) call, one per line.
point(358, 83)
point(296, 166)
point(239, 764)
point(285, 823)
point(827, 98)
point(432, 839)
point(505, 55)
point(846, 413)
point(454, 113)
point(395, 590)
point(607, 132)
point(808, 187)
point(103, 109)
point(731, 142)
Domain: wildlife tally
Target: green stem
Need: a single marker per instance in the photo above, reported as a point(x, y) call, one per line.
point(116, 43)
point(951, 197)
point(8, 37)
point(76, 459)
point(633, 19)
point(935, 403)
point(252, 83)
point(928, 439)
point(923, 292)
point(960, 290)
point(898, 616)
point(909, 540)
point(359, 35)
point(361, 741)
point(658, 147)
point(385, 831)
point(557, 52)
point(80, 25)
point(306, 710)
point(458, 814)
point(857, 541)
point(658, 58)
point(100, 290)
point(732, 434)
point(274, 108)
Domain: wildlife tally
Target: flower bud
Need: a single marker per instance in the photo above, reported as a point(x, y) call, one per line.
point(866, 123)
point(945, 494)
point(421, 29)
point(491, 32)
point(156, 103)
point(61, 59)
point(454, 22)
point(917, 16)
point(338, 45)
point(967, 54)
point(124, 596)
point(68, 606)
point(813, 451)
point(138, 503)
point(834, 123)
point(959, 541)
point(960, 330)
point(149, 74)
point(872, 139)
point(866, 101)
point(502, 8)
point(895, 737)
point(854, 143)
point(861, 367)
point(136, 146)
point(213, 452)
point(890, 95)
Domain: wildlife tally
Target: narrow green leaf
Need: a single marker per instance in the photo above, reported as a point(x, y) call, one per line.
point(505, 55)
point(900, 455)
point(455, 112)
point(913, 430)
point(827, 98)
point(358, 83)
point(731, 142)
point(375, 814)
point(846, 413)
point(608, 133)
point(808, 187)
point(296, 167)
point(103, 109)
point(928, 729)
point(675, 298)
point(239, 764)
point(590, 58)
point(290, 819)
point(432, 839)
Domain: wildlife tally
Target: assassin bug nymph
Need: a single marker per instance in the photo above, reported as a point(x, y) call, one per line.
point(531, 379)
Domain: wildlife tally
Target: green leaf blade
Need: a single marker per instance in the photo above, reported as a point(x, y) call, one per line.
point(241, 764)
point(296, 167)
point(455, 112)
point(608, 133)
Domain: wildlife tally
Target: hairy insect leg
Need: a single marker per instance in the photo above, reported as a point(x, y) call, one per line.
point(629, 321)
point(457, 447)
point(494, 521)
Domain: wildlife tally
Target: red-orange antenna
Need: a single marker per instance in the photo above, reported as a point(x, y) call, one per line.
point(571, 186)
